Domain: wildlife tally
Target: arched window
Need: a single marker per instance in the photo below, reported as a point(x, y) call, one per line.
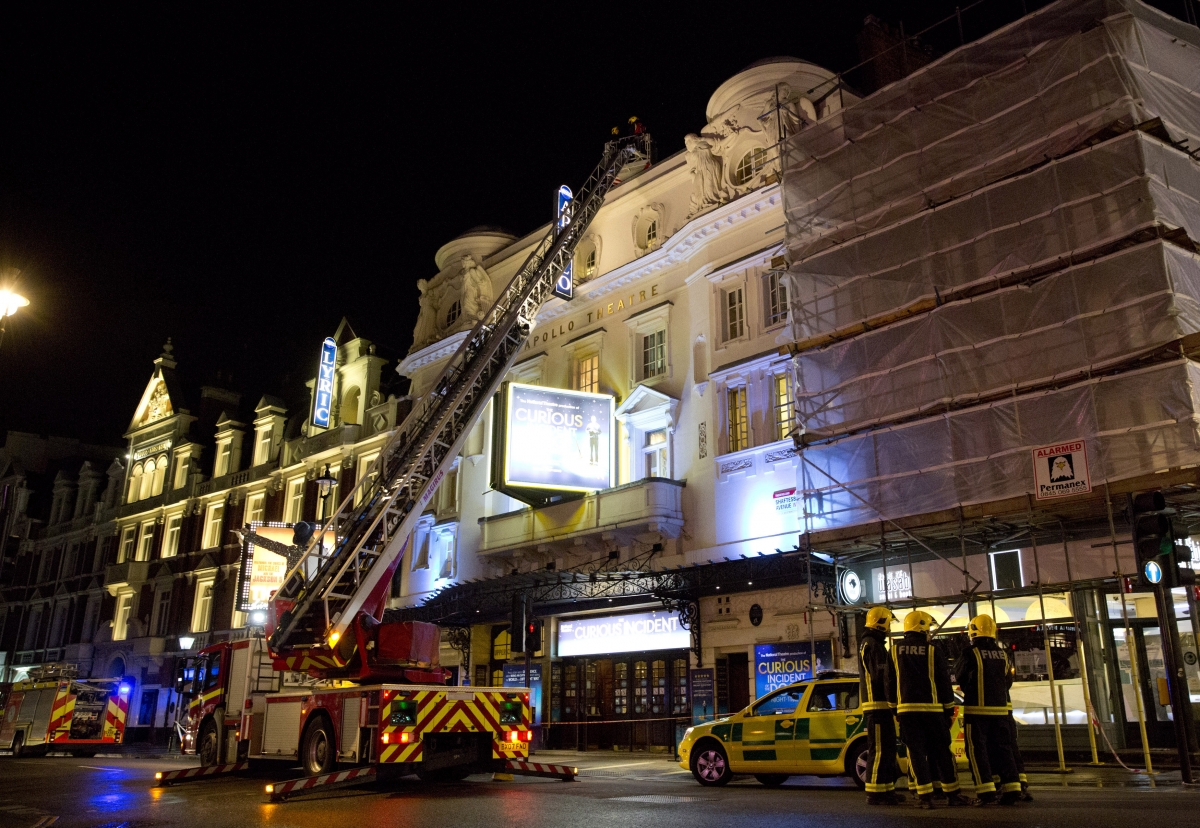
point(748, 167)
point(160, 471)
point(147, 480)
point(135, 484)
point(350, 405)
point(453, 313)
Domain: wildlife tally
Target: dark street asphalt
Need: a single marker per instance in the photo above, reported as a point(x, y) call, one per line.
point(613, 791)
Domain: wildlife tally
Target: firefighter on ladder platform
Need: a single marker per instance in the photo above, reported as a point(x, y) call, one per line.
point(924, 696)
point(983, 675)
point(877, 679)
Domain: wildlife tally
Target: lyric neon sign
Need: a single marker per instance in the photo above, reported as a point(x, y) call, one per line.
point(323, 391)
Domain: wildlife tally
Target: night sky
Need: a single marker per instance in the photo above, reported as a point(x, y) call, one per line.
point(240, 179)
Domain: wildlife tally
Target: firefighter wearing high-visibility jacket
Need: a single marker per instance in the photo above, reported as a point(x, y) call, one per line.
point(924, 694)
point(877, 695)
point(983, 675)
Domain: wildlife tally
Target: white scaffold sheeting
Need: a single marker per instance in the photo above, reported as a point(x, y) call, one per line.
point(1061, 212)
point(1030, 91)
point(1077, 322)
point(1132, 424)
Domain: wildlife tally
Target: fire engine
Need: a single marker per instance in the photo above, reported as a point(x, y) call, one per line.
point(332, 679)
point(52, 710)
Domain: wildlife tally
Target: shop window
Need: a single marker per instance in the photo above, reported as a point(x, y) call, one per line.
point(1032, 700)
point(641, 688)
point(781, 392)
point(1006, 569)
point(733, 314)
point(737, 432)
point(589, 688)
point(775, 298)
point(621, 688)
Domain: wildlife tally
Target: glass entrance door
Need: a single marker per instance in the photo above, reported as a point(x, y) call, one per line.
point(1156, 704)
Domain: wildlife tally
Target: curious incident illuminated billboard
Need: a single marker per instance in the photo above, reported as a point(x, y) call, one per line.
point(550, 440)
point(633, 633)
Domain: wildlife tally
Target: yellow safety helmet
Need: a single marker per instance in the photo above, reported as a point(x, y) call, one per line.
point(918, 621)
point(981, 626)
point(879, 618)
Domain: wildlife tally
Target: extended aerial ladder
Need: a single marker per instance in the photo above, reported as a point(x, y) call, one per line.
point(322, 616)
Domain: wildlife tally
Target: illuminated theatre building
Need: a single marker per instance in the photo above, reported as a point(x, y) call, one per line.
point(931, 350)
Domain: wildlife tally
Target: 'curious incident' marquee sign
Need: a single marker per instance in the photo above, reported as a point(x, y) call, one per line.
point(1061, 470)
point(552, 441)
point(622, 634)
point(323, 390)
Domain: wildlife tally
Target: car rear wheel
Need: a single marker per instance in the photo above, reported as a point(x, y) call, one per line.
point(858, 762)
point(710, 765)
point(319, 750)
point(771, 780)
point(18, 745)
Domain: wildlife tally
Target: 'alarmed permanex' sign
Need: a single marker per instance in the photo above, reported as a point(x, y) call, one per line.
point(323, 391)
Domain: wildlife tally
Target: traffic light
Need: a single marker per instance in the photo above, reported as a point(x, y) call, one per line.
point(1154, 541)
point(522, 614)
point(533, 635)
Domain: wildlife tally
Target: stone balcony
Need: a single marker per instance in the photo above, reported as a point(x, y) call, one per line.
point(646, 510)
point(123, 574)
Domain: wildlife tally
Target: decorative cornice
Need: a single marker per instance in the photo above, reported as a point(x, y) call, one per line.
point(430, 354)
point(680, 246)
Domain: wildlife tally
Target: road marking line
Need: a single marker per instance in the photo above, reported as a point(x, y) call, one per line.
point(93, 767)
point(45, 821)
point(618, 765)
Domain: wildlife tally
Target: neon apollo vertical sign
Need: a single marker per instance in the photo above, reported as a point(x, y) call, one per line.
point(323, 392)
point(564, 287)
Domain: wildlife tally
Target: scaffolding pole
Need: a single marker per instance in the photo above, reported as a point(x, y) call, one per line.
point(1135, 673)
point(1055, 707)
point(1081, 639)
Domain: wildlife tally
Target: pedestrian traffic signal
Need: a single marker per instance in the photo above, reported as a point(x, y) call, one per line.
point(1154, 541)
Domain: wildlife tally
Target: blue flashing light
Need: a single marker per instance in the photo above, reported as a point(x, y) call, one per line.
point(124, 689)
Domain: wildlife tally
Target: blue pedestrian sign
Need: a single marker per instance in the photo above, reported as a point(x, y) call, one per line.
point(1153, 572)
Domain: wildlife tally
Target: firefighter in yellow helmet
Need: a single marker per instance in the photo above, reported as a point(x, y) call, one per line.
point(923, 687)
point(983, 675)
point(877, 693)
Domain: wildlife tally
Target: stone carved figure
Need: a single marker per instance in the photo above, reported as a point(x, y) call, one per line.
point(426, 330)
point(708, 188)
point(476, 290)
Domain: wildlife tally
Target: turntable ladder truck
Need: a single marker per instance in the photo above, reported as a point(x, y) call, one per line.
point(378, 699)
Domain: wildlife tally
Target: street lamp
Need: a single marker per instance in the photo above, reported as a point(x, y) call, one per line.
point(10, 303)
point(325, 484)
